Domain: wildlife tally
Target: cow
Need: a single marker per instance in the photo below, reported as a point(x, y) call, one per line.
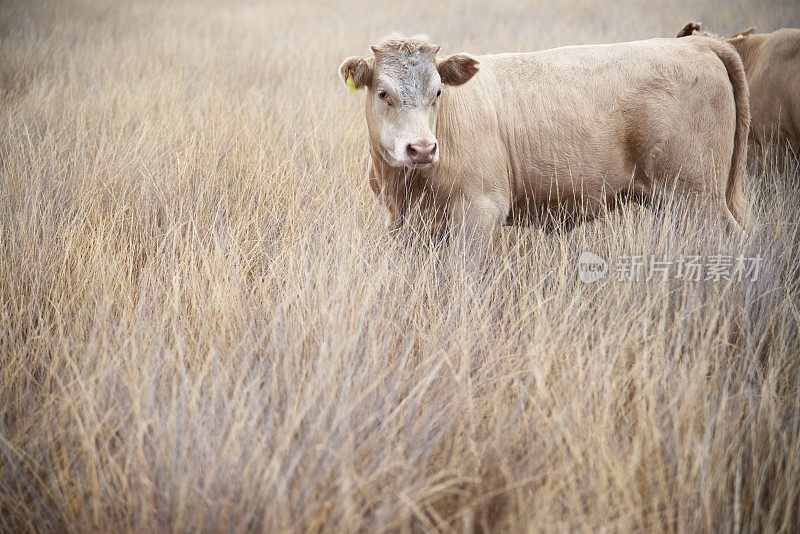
point(772, 67)
point(479, 141)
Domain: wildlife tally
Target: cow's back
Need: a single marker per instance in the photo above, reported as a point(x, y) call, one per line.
point(772, 65)
point(588, 118)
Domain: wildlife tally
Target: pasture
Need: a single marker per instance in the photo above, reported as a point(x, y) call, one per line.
point(203, 326)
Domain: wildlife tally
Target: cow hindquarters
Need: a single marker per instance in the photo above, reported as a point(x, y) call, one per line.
point(694, 150)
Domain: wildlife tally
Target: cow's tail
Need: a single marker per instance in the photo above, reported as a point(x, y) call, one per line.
point(734, 194)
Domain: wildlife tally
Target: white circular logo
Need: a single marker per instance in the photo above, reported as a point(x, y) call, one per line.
point(591, 267)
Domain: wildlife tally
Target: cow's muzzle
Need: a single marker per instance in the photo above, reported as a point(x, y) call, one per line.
point(421, 151)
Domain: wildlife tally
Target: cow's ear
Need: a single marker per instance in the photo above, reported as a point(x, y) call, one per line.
point(749, 31)
point(457, 69)
point(690, 29)
point(356, 72)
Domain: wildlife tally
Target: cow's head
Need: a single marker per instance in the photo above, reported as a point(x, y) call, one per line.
point(404, 82)
point(690, 28)
point(696, 28)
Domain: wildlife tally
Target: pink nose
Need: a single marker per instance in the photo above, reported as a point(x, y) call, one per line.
point(421, 151)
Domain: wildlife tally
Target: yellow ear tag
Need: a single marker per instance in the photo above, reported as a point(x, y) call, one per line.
point(351, 83)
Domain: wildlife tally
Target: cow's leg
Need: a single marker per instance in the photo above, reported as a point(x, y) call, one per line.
point(708, 204)
point(713, 210)
point(473, 224)
point(708, 207)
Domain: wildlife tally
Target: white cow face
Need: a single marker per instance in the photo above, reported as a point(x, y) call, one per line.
point(404, 82)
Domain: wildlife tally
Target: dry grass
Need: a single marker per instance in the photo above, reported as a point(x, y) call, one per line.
point(202, 326)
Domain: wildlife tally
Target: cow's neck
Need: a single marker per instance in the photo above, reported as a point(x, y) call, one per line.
point(396, 185)
point(748, 48)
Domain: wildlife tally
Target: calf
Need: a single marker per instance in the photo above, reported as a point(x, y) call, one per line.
point(479, 140)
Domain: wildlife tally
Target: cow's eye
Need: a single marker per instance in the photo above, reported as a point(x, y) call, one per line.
point(438, 93)
point(383, 95)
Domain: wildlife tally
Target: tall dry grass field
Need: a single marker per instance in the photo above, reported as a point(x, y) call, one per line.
point(204, 327)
